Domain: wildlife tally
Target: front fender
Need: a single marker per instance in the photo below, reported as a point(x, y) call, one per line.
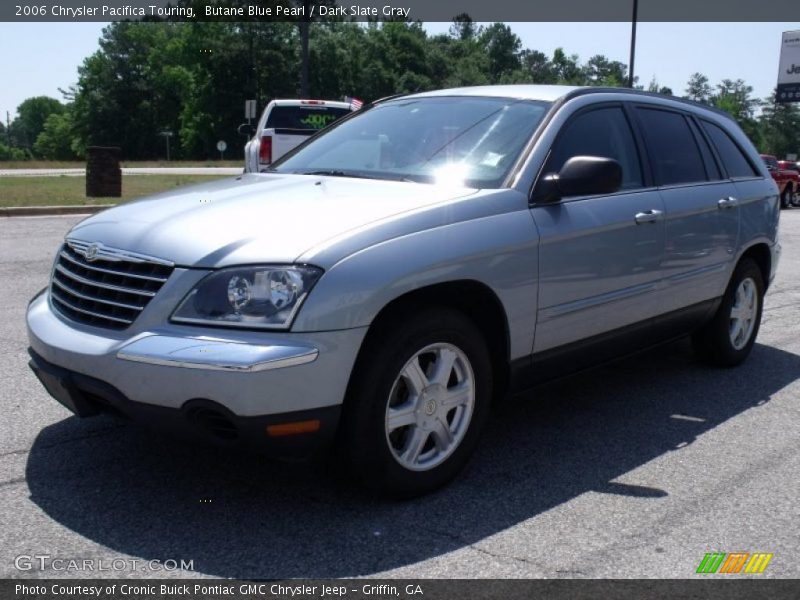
point(500, 251)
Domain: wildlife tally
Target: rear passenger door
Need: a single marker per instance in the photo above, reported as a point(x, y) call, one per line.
point(702, 215)
point(599, 256)
point(751, 187)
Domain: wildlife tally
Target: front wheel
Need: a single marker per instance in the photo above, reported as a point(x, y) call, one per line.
point(729, 337)
point(418, 402)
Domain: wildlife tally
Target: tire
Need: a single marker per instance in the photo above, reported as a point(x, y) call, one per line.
point(786, 196)
point(795, 197)
point(403, 433)
point(727, 340)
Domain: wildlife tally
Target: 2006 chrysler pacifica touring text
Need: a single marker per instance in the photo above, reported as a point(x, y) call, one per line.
point(378, 286)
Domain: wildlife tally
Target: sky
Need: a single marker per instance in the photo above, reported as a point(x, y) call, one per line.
point(40, 58)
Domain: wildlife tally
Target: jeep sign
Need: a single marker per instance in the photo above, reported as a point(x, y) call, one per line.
point(789, 68)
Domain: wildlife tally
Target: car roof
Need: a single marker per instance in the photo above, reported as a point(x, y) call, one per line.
point(547, 93)
point(555, 93)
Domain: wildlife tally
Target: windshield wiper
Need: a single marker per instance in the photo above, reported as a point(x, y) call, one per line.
point(335, 173)
point(356, 175)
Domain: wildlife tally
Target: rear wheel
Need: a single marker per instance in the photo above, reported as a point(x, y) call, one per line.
point(419, 400)
point(729, 337)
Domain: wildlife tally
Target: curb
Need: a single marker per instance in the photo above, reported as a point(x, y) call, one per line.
point(46, 211)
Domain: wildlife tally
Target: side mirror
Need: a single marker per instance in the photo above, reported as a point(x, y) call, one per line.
point(580, 176)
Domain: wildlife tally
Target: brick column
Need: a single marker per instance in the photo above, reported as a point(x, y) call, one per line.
point(103, 175)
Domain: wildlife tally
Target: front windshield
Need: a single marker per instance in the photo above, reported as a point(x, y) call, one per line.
point(472, 141)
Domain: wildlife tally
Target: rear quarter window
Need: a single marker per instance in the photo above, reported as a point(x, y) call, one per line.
point(734, 160)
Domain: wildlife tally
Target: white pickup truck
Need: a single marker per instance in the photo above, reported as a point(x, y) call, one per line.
point(285, 124)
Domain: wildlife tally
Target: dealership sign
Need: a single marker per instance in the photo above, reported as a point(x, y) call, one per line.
point(789, 69)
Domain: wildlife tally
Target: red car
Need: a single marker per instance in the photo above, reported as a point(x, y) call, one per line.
point(787, 178)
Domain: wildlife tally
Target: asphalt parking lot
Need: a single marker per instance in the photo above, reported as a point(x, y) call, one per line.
point(633, 470)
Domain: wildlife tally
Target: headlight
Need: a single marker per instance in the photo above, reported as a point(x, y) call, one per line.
point(259, 297)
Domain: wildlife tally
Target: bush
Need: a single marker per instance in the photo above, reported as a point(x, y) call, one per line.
point(7, 153)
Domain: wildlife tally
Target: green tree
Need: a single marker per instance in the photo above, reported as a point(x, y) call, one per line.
point(698, 88)
point(31, 116)
point(237, 61)
point(395, 60)
point(502, 47)
point(736, 98)
point(567, 69)
point(57, 139)
point(599, 70)
point(336, 62)
point(655, 88)
point(463, 28)
point(132, 87)
point(779, 128)
point(535, 67)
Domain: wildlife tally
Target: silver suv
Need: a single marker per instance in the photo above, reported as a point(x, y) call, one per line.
point(377, 287)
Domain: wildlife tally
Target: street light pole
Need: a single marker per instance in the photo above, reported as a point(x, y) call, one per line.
point(633, 43)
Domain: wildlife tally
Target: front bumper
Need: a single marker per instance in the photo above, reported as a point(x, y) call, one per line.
point(245, 374)
point(289, 435)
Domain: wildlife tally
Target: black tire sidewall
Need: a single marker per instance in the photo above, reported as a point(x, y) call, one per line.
point(388, 351)
point(786, 197)
point(715, 339)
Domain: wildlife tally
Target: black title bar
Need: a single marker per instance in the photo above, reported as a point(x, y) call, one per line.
point(383, 10)
point(728, 588)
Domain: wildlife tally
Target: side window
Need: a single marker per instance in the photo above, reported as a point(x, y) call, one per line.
point(712, 170)
point(673, 149)
point(601, 132)
point(734, 160)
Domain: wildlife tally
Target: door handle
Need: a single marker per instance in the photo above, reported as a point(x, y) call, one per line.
point(649, 216)
point(728, 202)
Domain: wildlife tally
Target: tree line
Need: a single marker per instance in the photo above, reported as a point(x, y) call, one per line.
point(191, 79)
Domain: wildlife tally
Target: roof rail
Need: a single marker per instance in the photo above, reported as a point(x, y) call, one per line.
point(387, 98)
point(615, 90)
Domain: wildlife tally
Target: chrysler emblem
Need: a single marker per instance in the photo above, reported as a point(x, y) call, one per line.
point(91, 252)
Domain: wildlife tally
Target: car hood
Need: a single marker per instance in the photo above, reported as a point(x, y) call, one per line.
point(256, 217)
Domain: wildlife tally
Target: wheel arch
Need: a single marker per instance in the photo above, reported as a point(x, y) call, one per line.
point(760, 254)
point(471, 297)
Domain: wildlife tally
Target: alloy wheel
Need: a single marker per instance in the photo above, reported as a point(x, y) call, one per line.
point(430, 407)
point(743, 313)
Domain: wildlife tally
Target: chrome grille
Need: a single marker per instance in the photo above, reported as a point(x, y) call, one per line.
point(103, 286)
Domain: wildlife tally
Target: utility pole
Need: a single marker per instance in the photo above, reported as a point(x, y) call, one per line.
point(8, 128)
point(304, 93)
point(633, 43)
point(304, 25)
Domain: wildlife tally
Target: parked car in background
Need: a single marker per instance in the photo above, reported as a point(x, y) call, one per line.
point(380, 286)
point(793, 170)
point(787, 179)
point(285, 124)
